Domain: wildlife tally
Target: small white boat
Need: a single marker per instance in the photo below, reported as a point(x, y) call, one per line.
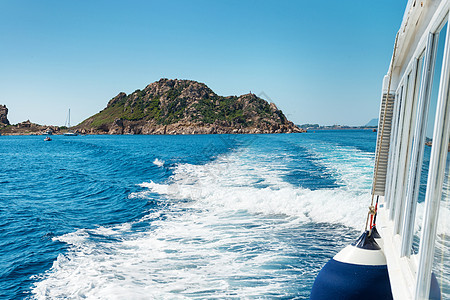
point(70, 133)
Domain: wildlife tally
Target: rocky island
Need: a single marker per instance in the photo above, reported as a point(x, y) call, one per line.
point(172, 106)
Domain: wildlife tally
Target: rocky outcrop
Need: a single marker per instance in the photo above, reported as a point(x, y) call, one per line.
point(3, 115)
point(186, 107)
point(29, 128)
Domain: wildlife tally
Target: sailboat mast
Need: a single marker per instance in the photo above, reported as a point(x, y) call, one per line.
point(69, 132)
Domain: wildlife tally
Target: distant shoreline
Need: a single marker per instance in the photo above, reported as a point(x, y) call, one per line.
point(346, 128)
point(86, 134)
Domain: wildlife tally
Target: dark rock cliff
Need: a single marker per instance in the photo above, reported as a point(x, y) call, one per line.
point(3, 115)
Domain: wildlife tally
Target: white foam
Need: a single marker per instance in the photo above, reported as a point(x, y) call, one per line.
point(188, 254)
point(158, 162)
point(218, 238)
point(229, 183)
point(352, 168)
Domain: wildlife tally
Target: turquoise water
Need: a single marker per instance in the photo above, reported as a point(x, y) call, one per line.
point(205, 216)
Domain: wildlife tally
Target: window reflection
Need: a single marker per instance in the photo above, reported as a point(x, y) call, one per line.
point(428, 139)
point(441, 267)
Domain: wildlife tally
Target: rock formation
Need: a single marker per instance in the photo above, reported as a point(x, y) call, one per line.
point(186, 107)
point(3, 115)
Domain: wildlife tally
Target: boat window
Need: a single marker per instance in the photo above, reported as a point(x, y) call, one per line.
point(434, 244)
point(406, 145)
point(441, 264)
point(442, 250)
point(429, 127)
point(416, 117)
point(404, 141)
point(417, 88)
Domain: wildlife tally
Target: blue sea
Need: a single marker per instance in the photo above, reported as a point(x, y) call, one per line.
point(175, 217)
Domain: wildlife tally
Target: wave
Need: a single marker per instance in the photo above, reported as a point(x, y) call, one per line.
point(158, 162)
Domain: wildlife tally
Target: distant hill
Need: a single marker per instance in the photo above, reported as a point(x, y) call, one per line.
point(372, 123)
point(309, 126)
point(172, 106)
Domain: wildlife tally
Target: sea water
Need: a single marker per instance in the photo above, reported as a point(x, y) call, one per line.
point(174, 217)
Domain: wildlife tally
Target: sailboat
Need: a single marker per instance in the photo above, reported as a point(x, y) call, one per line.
point(69, 132)
point(404, 251)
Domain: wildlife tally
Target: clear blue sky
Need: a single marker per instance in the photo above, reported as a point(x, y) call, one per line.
point(319, 61)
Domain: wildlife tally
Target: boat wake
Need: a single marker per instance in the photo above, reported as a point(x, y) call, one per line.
point(230, 228)
point(232, 183)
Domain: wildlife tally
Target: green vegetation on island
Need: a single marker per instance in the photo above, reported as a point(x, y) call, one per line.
point(185, 107)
